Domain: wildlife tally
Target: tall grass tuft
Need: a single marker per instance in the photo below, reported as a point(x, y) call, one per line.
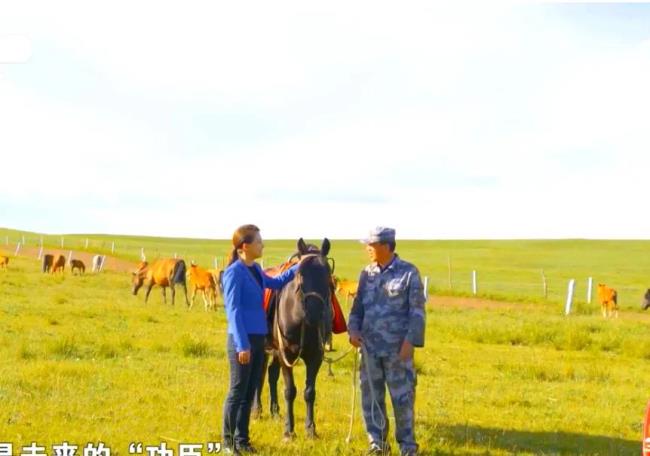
point(192, 348)
point(65, 348)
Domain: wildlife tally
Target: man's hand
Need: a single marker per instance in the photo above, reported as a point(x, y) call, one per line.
point(406, 352)
point(356, 341)
point(244, 357)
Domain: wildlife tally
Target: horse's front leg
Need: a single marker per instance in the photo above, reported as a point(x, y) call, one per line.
point(313, 365)
point(205, 300)
point(184, 285)
point(146, 296)
point(274, 376)
point(289, 398)
point(193, 296)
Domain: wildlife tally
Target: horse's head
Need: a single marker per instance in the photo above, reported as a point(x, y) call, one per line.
point(313, 281)
point(138, 276)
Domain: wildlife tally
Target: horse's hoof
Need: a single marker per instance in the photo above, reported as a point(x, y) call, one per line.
point(256, 413)
point(311, 434)
point(289, 436)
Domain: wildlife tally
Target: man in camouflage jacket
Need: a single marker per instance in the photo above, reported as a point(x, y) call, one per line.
point(387, 321)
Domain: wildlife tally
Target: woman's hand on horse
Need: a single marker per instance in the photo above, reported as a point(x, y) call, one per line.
point(244, 357)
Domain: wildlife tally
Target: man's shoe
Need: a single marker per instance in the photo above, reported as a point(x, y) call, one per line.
point(226, 449)
point(377, 449)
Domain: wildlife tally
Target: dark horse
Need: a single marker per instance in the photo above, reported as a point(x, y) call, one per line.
point(301, 323)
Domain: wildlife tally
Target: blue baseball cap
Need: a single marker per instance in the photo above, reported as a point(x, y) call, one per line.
point(380, 234)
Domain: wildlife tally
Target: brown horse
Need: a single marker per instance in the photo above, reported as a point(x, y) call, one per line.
point(164, 273)
point(202, 280)
point(58, 265)
point(48, 261)
point(608, 298)
point(301, 324)
point(78, 265)
point(346, 288)
point(4, 261)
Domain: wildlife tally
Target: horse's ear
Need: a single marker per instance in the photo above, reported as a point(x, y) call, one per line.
point(325, 247)
point(302, 247)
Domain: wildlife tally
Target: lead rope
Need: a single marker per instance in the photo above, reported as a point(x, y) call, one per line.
point(354, 393)
point(281, 344)
point(372, 393)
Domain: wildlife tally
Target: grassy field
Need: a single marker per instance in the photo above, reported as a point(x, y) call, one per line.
point(84, 361)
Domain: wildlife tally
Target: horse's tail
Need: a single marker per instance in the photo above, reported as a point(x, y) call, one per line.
point(220, 281)
point(180, 270)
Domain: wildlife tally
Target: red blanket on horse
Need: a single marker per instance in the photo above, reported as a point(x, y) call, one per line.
point(338, 320)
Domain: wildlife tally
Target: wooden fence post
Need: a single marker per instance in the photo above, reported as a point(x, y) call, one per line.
point(569, 297)
point(589, 286)
point(474, 282)
point(17, 249)
point(544, 285)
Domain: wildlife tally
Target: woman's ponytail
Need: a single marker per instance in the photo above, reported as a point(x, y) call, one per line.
point(234, 256)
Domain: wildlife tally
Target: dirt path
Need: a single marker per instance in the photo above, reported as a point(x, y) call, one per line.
point(475, 303)
point(112, 263)
point(478, 303)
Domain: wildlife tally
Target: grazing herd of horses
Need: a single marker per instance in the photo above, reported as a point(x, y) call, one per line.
point(172, 272)
point(56, 263)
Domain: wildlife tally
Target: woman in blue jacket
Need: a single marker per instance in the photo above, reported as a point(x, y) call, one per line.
point(244, 282)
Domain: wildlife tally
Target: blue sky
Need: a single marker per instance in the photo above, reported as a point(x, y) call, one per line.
point(505, 120)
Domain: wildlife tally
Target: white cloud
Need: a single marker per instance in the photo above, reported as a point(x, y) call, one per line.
point(14, 49)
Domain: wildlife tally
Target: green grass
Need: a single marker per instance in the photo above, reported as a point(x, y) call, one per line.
point(84, 360)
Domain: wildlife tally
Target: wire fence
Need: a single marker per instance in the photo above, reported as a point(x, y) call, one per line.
point(441, 279)
point(127, 249)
